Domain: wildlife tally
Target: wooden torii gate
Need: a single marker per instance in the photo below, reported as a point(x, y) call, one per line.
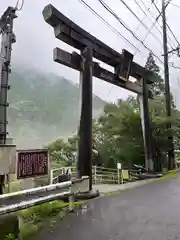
point(124, 67)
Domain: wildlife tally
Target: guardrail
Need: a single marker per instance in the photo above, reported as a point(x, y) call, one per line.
point(16, 201)
point(177, 163)
point(105, 175)
point(99, 174)
point(56, 172)
point(12, 202)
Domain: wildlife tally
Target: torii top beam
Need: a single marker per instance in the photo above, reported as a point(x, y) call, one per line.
point(69, 32)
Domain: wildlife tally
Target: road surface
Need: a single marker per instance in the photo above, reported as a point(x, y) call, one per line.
point(149, 212)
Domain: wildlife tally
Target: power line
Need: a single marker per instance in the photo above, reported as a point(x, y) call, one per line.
point(21, 7)
point(144, 5)
point(138, 18)
point(140, 24)
point(126, 27)
point(114, 30)
point(156, 21)
point(177, 50)
point(176, 67)
point(17, 3)
point(136, 2)
point(106, 23)
point(8, 38)
point(170, 151)
point(166, 22)
point(152, 26)
point(175, 5)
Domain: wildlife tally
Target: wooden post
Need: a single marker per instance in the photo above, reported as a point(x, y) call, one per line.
point(118, 175)
point(8, 182)
point(146, 128)
point(2, 183)
point(84, 163)
point(71, 202)
point(95, 174)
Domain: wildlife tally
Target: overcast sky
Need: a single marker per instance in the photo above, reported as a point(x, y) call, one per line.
point(35, 38)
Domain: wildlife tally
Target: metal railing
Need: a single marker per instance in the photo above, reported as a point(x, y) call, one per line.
point(16, 201)
point(99, 174)
point(56, 172)
point(178, 163)
point(105, 175)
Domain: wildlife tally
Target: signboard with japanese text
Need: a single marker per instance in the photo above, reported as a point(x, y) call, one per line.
point(32, 163)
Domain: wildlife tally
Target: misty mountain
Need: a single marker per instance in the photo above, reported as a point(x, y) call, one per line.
point(43, 107)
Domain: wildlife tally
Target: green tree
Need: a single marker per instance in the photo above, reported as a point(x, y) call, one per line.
point(158, 87)
point(123, 140)
point(158, 114)
point(63, 153)
point(117, 133)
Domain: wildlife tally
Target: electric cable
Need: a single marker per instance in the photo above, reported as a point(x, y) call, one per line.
point(154, 24)
point(106, 23)
point(127, 28)
point(138, 18)
point(144, 5)
point(112, 28)
point(175, 5)
point(173, 66)
point(136, 2)
point(21, 7)
point(167, 23)
point(150, 29)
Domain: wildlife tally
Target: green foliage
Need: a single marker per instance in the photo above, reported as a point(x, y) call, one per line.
point(117, 133)
point(121, 126)
point(157, 87)
point(35, 218)
point(158, 114)
point(10, 236)
point(62, 152)
point(37, 213)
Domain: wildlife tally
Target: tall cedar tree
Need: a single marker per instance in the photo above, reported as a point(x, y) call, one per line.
point(157, 87)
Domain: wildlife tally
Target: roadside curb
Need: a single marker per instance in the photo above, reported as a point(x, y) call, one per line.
point(131, 185)
point(126, 186)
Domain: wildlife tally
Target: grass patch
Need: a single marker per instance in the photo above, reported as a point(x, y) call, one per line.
point(37, 213)
point(34, 219)
point(168, 175)
point(174, 170)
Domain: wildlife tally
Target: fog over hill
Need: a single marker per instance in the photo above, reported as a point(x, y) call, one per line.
point(43, 107)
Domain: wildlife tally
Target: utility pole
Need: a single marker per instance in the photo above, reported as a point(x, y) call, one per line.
point(7, 38)
point(6, 27)
point(171, 160)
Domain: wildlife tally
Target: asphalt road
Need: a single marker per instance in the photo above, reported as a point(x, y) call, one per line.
point(149, 212)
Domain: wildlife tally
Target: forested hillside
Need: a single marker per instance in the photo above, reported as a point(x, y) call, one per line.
point(43, 107)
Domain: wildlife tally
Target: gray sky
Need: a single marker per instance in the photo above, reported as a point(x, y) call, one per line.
point(35, 38)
